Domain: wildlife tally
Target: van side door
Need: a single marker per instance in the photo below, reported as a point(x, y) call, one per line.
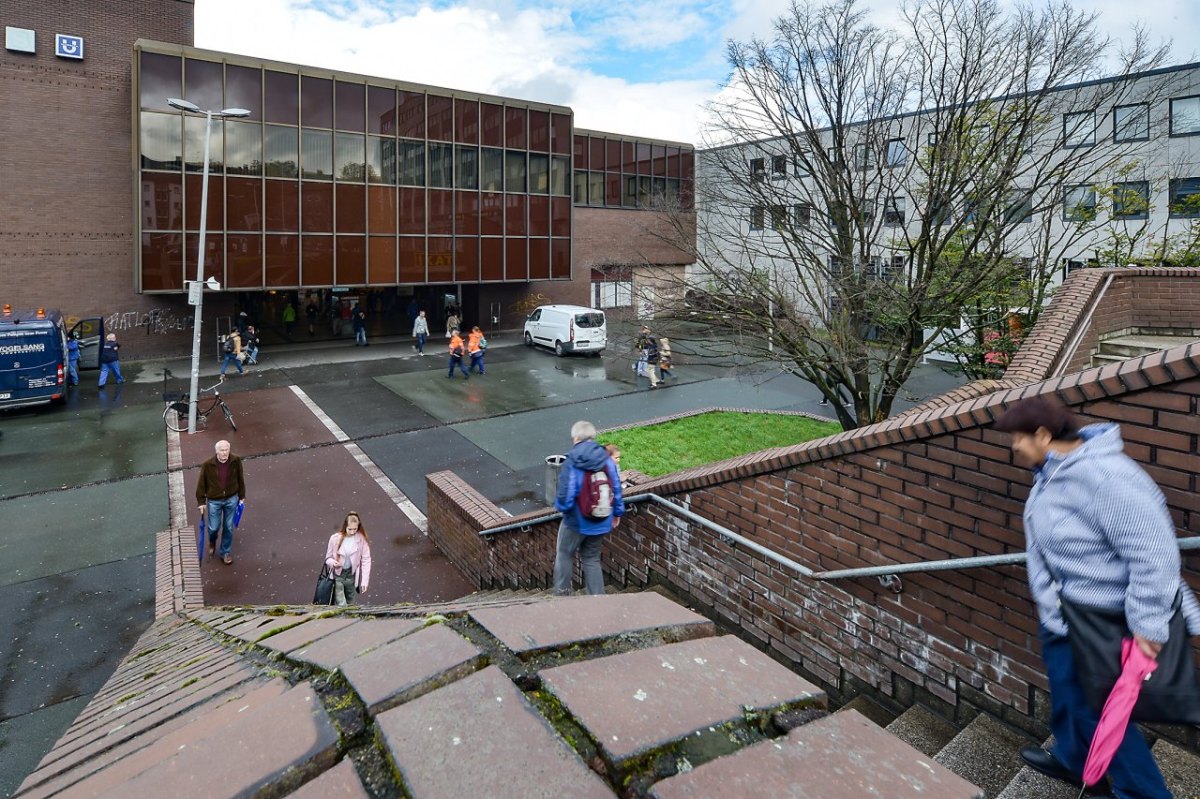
point(91, 334)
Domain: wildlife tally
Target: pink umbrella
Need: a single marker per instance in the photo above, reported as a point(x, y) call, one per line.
point(1110, 731)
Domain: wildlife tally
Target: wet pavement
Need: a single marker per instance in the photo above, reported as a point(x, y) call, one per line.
point(84, 487)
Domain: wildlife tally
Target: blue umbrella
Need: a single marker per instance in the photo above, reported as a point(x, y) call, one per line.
point(237, 513)
point(200, 537)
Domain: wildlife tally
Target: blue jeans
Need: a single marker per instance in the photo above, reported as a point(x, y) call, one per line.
point(252, 354)
point(421, 339)
point(220, 518)
point(73, 372)
point(360, 336)
point(456, 360)
point(115, 368)
point(588, 547)
point(231, 358)
point(1133, 772)
point(476, 360)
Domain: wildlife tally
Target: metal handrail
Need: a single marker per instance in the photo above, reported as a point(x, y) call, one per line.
point(888, 575)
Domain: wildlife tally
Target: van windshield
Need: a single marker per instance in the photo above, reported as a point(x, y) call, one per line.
point(589, 320)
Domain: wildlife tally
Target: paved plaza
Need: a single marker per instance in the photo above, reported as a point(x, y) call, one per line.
point(323, 428)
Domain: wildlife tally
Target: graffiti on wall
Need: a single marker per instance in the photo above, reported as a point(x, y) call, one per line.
point(156, 320)
point(527, 303)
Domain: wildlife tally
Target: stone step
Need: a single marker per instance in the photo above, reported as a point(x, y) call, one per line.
point(1136, 345)
point(1030, 783)
point(872, 710)
point(1180, 767)
point(922, 729)
point(985, 753)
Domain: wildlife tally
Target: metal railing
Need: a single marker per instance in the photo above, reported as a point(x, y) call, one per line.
point(888, 576)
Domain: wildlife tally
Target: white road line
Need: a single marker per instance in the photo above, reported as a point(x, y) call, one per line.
point(397, 496)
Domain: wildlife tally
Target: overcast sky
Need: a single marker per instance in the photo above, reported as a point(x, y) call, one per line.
point(639, 67)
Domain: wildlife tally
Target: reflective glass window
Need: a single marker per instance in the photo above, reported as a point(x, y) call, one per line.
point(581, 187)
point(350, 157)
point(441, 166)
point(539, 131)
point(596, 188)
point(162, 261)
point(350, 208)
point(629, 195)
point(441, 212)
point(539, 173)
point(628, 159)
point(282, 206)
point(350, 104)
point(491, 214)
point(560, 216)
point(466, 121)
point(316, 102)
point(560, 258)
point(441, 118)
point(316, 260)
point(539, 259)
point(596, 153)
point(412, 163)
point(1131, 122)
point(203, 84)
point(492, 170)
point(516, 259)
point(466, 259)
point(660, 161)
point(581, 152)
point(161, 76)
point(316, 207)
point(243, 261)
point(514, 128)
point(243, 204)
point(193, 150)
point(214, 255)
point(281, 151)
point(243, 89)
point(539, 215)
point(466, 213)
point(282, 261)
point(492, 124)
point(491, 259)
point(441, 260)
point(381, 260)
point(672, 162)
point(412, 211)
point(410, 114)
point(381, 160)
point(467, 170)
point(351, 264)
point(611, 193)
point(193, 191)
point(1185, 116)
point(161, 141)
point(316, 154)
point(381, 209)
point(162, 201)
point(560, 171)
point(381, 110)
point(613, 149)
point(560, 133)
point(243, 148)
point(514, 171)
point(281, 100)
point(514, 214)
point(643, 158)
point(411, 260)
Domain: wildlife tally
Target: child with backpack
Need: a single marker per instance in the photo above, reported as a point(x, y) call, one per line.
point(589, 498)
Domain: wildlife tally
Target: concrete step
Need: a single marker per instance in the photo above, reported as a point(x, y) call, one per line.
point(872, 710)
point(1100, 359)
point(1135, 345)
point(985, 753)
point(1180, 767)
point(922, 729)
point(1029, 783)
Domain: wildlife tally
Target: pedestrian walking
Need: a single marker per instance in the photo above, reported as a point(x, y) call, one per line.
point(639, 346)
point(476, 346)
point(589, 498)
point(457, 349)
point(358, 320)
point(312, 313)
point(1098, 537)
point(651, 357)
point(243, 322)
point(664, 358)
point(250, 344)
point(289, 319)
point(420, 332)
point(220, 488)
point(451, 321)
point(73, 359)
point(231, 349)
point(348, 556)
point(110, 360)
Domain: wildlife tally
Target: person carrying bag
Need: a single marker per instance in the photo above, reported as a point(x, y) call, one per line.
point(348, 561)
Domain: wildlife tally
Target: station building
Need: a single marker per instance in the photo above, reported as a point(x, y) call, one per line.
point(334, 185)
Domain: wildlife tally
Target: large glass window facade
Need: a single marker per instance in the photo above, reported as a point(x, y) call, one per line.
point(348, 182)
point(616, 172)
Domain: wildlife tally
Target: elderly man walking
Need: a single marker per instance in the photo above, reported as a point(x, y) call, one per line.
point(219, 490)
point(589, 498)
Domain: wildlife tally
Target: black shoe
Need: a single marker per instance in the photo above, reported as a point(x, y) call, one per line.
point(1046, 763)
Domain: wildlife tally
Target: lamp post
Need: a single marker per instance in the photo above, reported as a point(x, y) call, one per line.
point(198, 285)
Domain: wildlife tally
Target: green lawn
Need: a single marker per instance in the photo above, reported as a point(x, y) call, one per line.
point(707, 437)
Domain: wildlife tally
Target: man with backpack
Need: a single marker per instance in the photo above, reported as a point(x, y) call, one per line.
point(589, 498)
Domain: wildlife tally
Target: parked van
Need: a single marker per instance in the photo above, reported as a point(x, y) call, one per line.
point(567, 328)
point(33, 354)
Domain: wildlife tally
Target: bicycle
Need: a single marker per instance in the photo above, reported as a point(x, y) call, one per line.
point(175, 415)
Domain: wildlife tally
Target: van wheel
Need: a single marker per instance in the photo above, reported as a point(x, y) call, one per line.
point(558, 349)
point(528, 340)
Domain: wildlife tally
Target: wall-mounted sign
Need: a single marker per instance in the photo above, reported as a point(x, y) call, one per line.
point(66, 46)
point(19, 40)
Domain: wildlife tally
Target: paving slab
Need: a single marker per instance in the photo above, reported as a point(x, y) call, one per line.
point(306, 633)
point(638, 701)
point(256, 629)
point(480, 737)
point(234, 760)
point(340, 782)
point(843, 756)
point(528, 629)
point(334, 649)
point(411, 666)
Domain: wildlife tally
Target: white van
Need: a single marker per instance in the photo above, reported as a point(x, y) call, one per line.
point(567, 328)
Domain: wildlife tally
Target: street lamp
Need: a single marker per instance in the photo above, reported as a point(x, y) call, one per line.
point(196, 293)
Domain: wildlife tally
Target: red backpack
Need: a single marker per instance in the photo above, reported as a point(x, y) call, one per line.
point(595, 498)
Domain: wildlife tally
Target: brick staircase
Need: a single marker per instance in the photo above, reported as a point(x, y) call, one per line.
point(1137, 342)
point(986, 753)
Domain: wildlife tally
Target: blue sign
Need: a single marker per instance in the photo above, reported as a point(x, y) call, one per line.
point(68, 46)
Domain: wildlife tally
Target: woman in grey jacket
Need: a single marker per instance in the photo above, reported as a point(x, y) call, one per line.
point(1097, 531)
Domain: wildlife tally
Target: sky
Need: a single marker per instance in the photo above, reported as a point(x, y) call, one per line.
point(635, 67)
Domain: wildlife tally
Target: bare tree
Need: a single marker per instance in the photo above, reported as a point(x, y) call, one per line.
point(891, 178)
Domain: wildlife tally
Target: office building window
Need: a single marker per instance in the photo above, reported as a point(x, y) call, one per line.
point(894, 211)
point(1131, 122)
point(758, 168)
point(896, 154)
point(1185, 116)
point(1019, 208)
point(1079, 204)
point(778, 167)
point(1131, 200)
point(779, 218)
point(412, 163)
point(864, 157)
point(799, 167)
point(757, 217)
point(801, 214)
point(1079, 129)
point(1185, 198)
point(441, 166)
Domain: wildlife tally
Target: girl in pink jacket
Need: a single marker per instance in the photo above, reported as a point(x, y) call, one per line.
point(349, 559)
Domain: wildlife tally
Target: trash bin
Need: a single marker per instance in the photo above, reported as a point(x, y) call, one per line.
point(554, 465)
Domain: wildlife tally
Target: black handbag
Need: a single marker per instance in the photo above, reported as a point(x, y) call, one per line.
point(1171, 695)
point(324, 593)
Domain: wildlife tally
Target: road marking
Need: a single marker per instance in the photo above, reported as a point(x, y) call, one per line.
point(393, 491)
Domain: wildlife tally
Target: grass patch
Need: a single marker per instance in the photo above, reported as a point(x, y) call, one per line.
point(708, 437)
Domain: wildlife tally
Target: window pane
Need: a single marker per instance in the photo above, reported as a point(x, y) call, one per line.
point(381, 110)
point(596, 188)
point(381, 160)
point(316, 102)
point(1185, 197)
point(160, 78)
point(162, 202)
point(203, 84)
point(193, 153)
point(410, 114)
point(243, 89)
point(441, 166)
point(612, 190)
point(514, 171)
point(1131, 200)
point(493, 124)
point(282, 101)
point(896, 154)
point(441, 118)
point(492, 177)
point(466, 121)
point(1079, 129)
point(539, 174)
point(629, 196)
point(351, 105)
point(560, 168)
point(1185, 115)
point(316, 207)
point(162, 141)
point(539, 131)
point(560, 133)
point(316, 154)
point(1131, 122)
point(282, 154)
point(350, 157)
point(412, 163)
point(1079, 203)
point(243, 148)
point(581, 187)
point(243, 204)
point(283, 206)
point(467, 173)
point(514, 128)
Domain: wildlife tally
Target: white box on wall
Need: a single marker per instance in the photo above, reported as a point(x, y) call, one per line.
point(19, 40)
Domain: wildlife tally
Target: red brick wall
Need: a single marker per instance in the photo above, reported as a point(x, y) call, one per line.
point(934, 486)
point(66, 208)
point(613, 236)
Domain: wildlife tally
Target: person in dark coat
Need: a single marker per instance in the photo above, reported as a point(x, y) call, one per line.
point(220, 488)
point(110, 359)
